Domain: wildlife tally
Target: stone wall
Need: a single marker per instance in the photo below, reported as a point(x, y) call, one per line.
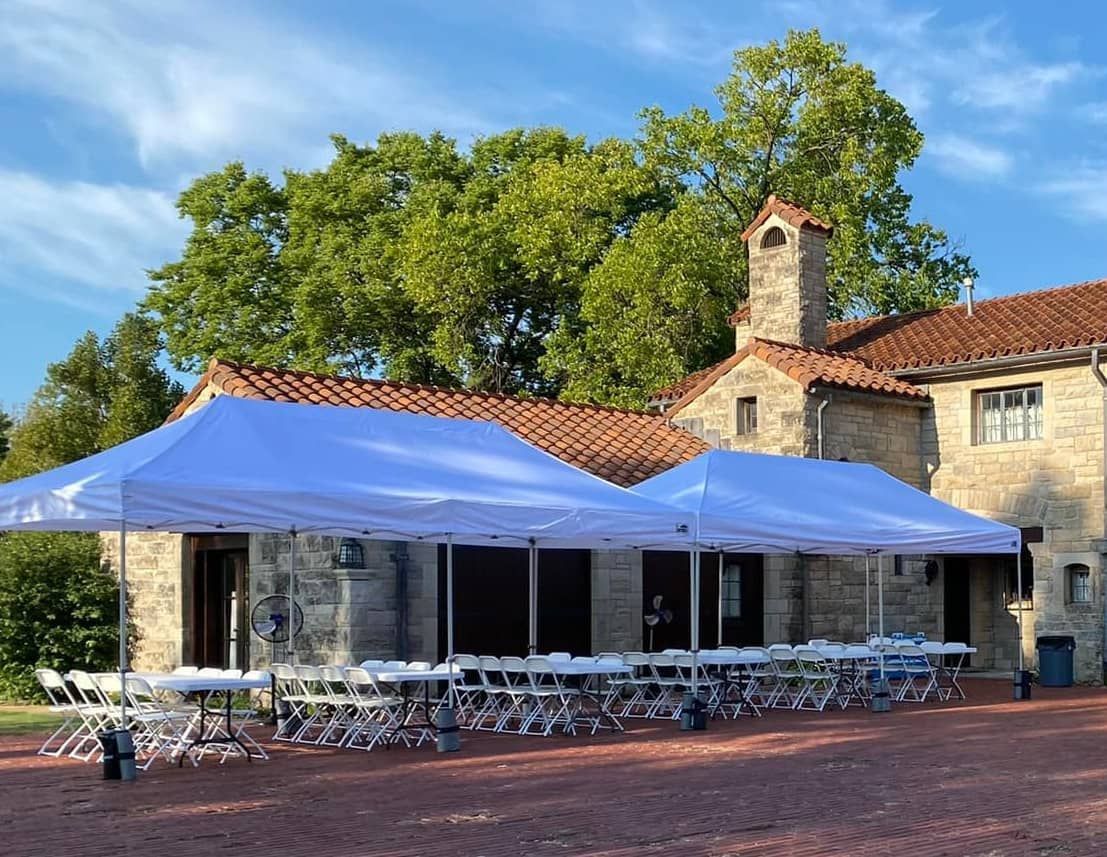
point(159, 600)
point(783, 412)
point(878, 431)
point(616, 601)
point(1055, 482)
point(787, 294)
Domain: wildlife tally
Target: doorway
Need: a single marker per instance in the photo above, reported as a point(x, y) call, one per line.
point(491, 601)
point(220, 602)
point(958, 601)
point(666, 574)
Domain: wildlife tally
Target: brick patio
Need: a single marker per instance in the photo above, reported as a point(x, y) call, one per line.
point(988, 777)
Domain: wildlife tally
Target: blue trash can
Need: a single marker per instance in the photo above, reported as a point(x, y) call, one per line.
point(1055, 660)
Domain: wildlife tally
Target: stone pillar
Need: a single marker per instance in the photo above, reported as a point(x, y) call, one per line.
point(616, 601)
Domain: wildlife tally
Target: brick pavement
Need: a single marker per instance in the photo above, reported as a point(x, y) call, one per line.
point(987, 778)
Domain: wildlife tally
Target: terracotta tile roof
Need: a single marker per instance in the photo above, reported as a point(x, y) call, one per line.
point(1030, 323)
point(789, 212)
point(621, 446)
point(813, 367)
point(740, 315)
point(810, 367)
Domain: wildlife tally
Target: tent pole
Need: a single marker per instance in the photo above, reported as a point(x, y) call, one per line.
point(1018, 595)
point(868, 608)
point(532, 585)
point(450, 615)
point(292, 597)
point(123, 626)
point(880, 610)
point(719, 640)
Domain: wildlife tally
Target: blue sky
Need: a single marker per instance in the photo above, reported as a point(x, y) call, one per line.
point(109, 109)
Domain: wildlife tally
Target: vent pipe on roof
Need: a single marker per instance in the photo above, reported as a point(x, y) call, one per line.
point(968, 284)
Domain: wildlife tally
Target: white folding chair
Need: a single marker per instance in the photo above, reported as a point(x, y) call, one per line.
point(635, 690)
point(516, 695)
point(186, 670)
point(920, 679)
point(553, 704)
point(63, 703)
point(820, 682)
point(98, 713)
point(494, 693)
point(159, 730)
point(671, 686)
point(376, 713)
point(788, 686)
point(469, 688)
point(291, 692)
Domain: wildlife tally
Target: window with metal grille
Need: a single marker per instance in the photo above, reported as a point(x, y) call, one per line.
point(747, 416)
point(1080, 583)
point(775, 237)
point(1006, 415)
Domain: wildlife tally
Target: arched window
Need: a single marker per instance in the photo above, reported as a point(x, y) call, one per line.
point(773, 238)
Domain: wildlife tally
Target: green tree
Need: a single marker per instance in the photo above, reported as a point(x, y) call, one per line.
point(58, 608)
point(228, 294)
point(101, 394)
point(5, 432)
point(797, 119)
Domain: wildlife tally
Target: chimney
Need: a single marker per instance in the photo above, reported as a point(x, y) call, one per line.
point(968, 284)
point(787, 274)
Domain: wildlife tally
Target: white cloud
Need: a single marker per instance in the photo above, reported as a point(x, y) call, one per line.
point(77, 242)
point(1021, 88)
point(967, 158)
point(197, 82)
point(1095, 112)
point(1082, 190)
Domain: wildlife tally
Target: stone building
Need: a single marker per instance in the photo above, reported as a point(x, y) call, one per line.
point(997, 408)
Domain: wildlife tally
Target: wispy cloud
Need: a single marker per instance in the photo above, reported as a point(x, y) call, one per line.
point(967, 158)
point(1082, 190)
point(76, 242)
point(1095, 112)
point(204, 81)
point(1022, 88)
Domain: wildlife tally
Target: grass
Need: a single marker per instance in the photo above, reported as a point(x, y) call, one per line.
point(27, 720)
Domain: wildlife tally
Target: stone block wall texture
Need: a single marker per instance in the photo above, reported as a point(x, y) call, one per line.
point(158, 568)
point(616, 601)
point(1055, 483)
point(788, 286)
point(877, 431)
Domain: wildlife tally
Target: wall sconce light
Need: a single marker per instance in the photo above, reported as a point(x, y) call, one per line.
point(930, 571)
point(351, 554)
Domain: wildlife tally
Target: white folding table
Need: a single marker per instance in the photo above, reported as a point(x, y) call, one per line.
point(204, 687)
point(405, 681)
point(587, 669)
point(939, 652)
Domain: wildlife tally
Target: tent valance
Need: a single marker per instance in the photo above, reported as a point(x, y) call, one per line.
point(237, 465)
point(749, 502)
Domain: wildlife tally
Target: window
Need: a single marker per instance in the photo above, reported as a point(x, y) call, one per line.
point(747, 416)
point(1005, 415)
point(732, 591)
point(1080, 583)
point(775, 237)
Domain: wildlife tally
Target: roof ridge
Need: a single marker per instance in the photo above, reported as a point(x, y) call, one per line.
point(433, 388)
point(1102, 281)
point(822, 352)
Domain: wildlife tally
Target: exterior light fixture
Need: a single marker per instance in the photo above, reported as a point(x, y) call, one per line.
point(351, 554)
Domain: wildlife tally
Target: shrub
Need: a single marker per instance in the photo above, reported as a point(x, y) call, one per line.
point(58, 608)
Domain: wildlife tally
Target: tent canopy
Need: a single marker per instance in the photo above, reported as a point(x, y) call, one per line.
point(237, 465)
point(781, 504)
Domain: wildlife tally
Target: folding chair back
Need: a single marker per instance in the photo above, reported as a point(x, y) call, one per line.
point(372, 663)
point(419, 666)
point(186, 670)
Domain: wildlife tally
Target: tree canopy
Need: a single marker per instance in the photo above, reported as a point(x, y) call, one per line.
point(537, 262)
point(101, 394)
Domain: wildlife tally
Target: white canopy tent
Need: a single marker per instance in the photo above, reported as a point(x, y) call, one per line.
point(752, 503)
point(236, 465)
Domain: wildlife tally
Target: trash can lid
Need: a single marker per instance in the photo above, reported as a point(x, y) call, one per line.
point(1056, 641)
